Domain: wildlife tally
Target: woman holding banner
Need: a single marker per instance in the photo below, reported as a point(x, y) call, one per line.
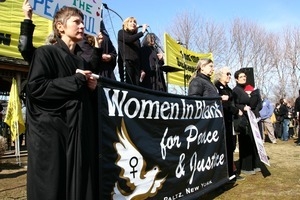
point(61, 133)
point(248, 157)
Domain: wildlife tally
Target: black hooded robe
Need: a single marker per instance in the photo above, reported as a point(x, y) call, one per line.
point(60, 128)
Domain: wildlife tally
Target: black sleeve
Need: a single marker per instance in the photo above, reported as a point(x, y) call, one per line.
point(111, 50)
point(25, 45)
point(195, 88)
point(128, 38)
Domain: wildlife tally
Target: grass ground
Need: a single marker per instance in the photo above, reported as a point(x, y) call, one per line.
point(283, 183)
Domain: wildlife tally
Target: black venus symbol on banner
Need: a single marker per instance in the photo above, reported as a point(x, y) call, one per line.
point(133, 165)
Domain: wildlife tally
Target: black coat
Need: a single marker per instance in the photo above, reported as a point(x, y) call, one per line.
point(129, 47)
point(25, 45)
point(151, 65)
point(61, 133)
point(107, 68)
point(228, 106)
point(202, 86)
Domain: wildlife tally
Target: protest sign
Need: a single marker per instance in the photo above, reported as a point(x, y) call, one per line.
point(155, 145)
point(90, 8)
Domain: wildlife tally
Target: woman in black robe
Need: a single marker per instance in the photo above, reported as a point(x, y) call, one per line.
point(151, 62)
point(61, 134)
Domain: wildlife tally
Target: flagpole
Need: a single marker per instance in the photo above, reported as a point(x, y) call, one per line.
point(17, 146)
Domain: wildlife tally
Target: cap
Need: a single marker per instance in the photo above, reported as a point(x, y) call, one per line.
point(249, 88)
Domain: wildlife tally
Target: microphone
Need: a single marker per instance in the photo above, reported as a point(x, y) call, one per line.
point(141, 26)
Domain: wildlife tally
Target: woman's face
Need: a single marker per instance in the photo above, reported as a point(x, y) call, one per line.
point(225, 77)
point(73, 29)
point(207, 69)
point(131, 25)
point(242, 78)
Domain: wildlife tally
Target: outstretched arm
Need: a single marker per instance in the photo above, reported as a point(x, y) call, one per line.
point(25, 45)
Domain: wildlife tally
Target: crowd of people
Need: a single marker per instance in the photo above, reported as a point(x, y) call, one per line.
point(279, 122)
point(60, 90)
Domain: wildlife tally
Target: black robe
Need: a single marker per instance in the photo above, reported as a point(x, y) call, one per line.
point(151, 65)
point(129, 47)
point(61, 132)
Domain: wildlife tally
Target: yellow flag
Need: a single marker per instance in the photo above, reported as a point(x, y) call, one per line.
point(14, 118)
point(182, 60)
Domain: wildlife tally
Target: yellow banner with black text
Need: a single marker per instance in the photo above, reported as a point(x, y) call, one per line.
point(11, 15)
point(180, 62)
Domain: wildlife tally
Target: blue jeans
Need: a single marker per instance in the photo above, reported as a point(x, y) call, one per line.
point(285, 129)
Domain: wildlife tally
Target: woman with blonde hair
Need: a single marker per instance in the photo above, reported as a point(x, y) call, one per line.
point(129, 51)
point(200, 83)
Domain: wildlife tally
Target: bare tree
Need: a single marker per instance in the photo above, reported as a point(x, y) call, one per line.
point(185, 28)
point(275, 57)
point(292, 57)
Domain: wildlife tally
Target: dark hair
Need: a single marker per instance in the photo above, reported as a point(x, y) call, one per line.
point(62, 15)
point(238, 72)
point(281, 101)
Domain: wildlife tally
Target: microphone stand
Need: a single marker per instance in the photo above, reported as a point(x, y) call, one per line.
point(105, 6)
point(124, 59)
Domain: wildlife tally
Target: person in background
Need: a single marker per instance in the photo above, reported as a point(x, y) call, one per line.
point(278, 123)
point(129, 47)
point(222, 79)
point(297, 111)
point(266, 114)
point(291, 116)
point(151, 62)
point(61, 133)
point(100, 52)
point(283, 112)
point(109, 55)
point(249, 162)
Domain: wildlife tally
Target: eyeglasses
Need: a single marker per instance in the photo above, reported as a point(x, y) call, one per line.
point(228, 74)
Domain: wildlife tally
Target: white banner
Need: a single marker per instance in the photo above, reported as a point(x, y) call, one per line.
point(257, 137)
point(90, 8)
